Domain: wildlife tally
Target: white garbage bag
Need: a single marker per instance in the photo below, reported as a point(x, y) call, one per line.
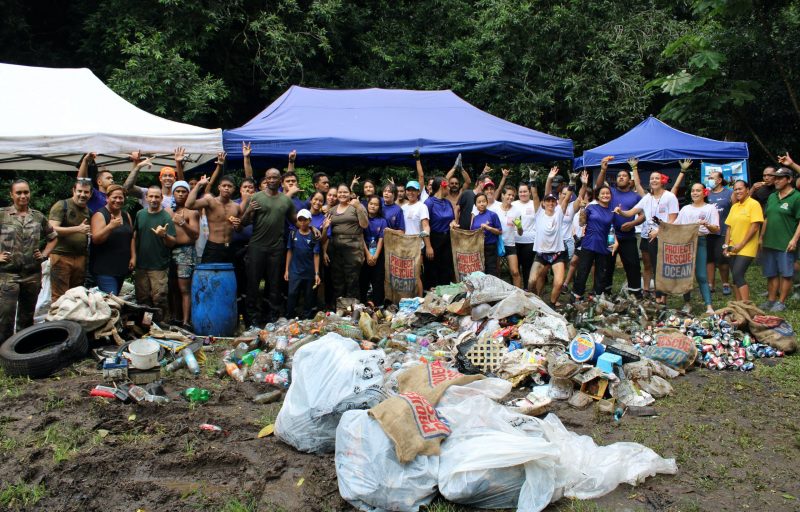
point(329, 376)
point(45, 294)
point(496, 458)
point(370, 476)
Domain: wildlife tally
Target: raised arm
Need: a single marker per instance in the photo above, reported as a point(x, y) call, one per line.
point(83, 170)
point(292, 158)
point(498, 192)
point(248, 167)
point(180, 157)
point(548, 185)
point(215, 175)
point(130, 181)
point(420, 171)
point(601, 176)
point(685, 165)
point(563, 202)
point(634, 163)
point(534, 196)
point(788, 162)
point(192, 201)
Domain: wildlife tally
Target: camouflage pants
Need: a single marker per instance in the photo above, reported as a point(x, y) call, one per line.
point(151, 289)
point(18, 296)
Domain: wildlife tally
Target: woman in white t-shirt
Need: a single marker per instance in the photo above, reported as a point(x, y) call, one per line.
point(416, 216)
point(549, 244)
point(706, 216)
point(527, 204)
point(660, 205)
point(510, 218)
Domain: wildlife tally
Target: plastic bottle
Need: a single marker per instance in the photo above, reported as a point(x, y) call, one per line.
point(269, 397)
point(239, 351)
point(373, 246)
point(611, 237)
point(176, 364)
point(197, 395)
point(279, 379)
point(234, 371)
point(191, 361)
point(278, 355)
point(250, 357)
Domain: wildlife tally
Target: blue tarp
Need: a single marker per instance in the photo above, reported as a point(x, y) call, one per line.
point(382, 126)
point(654, 141)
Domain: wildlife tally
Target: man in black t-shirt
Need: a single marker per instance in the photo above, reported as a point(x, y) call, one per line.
point(467, 201)
point(763, 189)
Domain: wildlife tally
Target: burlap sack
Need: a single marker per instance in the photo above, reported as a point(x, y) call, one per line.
point(467, 251)
point(403, 264)
point(772, 330)
point(410, 419)
point(673, 348)
point(677, 245)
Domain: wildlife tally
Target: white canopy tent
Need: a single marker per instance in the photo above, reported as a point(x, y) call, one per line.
point(51, 117)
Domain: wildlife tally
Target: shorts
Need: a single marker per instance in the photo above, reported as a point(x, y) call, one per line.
point(511, 250)
point(551, 258)
point(714, 254)
point(777, 263)
point(569, 245)
point(184, 259)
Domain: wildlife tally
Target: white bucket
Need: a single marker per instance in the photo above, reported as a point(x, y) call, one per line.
point(144, 354)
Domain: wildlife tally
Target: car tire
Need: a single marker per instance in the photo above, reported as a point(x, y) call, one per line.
point(42, 349)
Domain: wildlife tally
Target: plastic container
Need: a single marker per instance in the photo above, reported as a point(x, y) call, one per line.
point(144, 354)
point(585, 349)
point(214, 299)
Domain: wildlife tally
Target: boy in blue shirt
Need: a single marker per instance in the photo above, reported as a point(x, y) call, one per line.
point(302, 265)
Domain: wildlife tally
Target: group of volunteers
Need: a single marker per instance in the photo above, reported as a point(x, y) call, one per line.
point(308, 252)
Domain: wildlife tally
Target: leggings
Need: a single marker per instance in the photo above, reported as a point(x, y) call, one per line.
point(490, 259)
point(739, 265)
point(700, 260)
point(525, 256)
point(439, 270)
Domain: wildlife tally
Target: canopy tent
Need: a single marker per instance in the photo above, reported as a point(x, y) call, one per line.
point(382, 126)
point(655, 141)
point(51, 117)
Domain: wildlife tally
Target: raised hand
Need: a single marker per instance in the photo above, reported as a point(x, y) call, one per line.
point(160, 231)
point(292, 155)
point(585, 177)
point(246, 149)
point(180, 155)
point(202, 181)
point(136, 155)
point(604, 162)
point(416, 154)
point(633, 162)
point(505, 172)
point(685, 164)
point(147, 162)
point(91, 157)
point(221, 158)
point(785, 160)
point(553, 172)
point(355, 203)
point(487, 169)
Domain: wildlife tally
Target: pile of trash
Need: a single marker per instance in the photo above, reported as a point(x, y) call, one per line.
point(413, 398)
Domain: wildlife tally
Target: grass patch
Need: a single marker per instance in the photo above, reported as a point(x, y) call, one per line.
point(133, 437)
point(12, 387)
point(242, 504)
point(440, 505)
point(53, 401)
point(268, 415)
point(8, 443)
point(570, 505)
point(785, 375)
point(21, 496)
point(64, 441)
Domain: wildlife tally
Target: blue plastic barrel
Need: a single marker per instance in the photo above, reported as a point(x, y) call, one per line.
point(214, 299)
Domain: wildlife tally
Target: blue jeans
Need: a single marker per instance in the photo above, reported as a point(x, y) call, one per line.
point(109, 284)
point(701, 258)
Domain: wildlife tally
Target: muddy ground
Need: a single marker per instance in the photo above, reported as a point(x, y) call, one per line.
point(735, 437)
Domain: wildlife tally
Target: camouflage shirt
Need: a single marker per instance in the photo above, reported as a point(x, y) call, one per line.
point(21, 235)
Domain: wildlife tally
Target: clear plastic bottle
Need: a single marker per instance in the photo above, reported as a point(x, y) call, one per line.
point(279, 354)
point(373, 246)
point(279, 379)
point(191, 361)
point(234, 371)
point(611, 237)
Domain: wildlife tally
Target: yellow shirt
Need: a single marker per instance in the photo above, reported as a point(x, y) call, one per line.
point(739, 220)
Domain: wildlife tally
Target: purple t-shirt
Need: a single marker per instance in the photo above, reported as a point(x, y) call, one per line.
point(441, 214)
point(394, 217)
point(494, 221)
point(626, 200)
point(598, 224)
point(96, 201)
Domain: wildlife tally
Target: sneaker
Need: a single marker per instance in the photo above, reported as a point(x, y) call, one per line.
point(726, 289)
point(778, 307)
point(687, 308)
point(767, 305)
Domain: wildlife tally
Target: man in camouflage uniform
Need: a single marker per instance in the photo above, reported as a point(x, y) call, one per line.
point(21, 232)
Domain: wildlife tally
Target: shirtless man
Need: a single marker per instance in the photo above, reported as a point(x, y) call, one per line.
point(223, 217)
point(187, 229)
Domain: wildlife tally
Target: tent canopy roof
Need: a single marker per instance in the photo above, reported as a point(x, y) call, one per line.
point(51, 117)
point(655, 141)
point(385, 126)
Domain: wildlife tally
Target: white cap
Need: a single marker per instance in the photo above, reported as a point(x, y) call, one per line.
point(304, 213)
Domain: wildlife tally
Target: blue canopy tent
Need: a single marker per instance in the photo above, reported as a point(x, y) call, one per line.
point(655, 141)
point(659, 146)
point(382, 127)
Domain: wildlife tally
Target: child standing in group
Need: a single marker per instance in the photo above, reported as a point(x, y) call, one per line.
point(372, 271)
point(302, 265)
point(489, 222)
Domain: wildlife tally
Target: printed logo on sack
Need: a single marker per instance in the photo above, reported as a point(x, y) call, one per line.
point(467, 263)
point(438, 374)
point(677, 261)
point(428, 422)
point(775, 322)
point(401, 274)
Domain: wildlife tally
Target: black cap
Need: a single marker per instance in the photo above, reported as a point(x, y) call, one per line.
point(784, 172)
